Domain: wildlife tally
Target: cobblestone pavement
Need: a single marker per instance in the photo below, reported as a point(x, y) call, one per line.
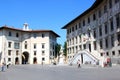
point(55, 72)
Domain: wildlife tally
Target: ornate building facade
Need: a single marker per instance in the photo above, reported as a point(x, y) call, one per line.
point(96, 31)
point(27, 46)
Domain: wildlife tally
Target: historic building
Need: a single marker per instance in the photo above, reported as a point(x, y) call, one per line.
point(96, 33)
point(27, 46)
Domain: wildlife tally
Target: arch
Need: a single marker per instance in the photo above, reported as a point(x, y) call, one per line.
point(25, 57)
point(16, 60)
point(34, 60)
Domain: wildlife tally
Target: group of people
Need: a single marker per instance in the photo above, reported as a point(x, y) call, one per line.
point(3, 66)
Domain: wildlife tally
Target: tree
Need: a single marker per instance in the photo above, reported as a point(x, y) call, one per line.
point(65, 49)
point(57, 50)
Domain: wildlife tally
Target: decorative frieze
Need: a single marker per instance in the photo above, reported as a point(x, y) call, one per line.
point(79, 31)
point(116, 8)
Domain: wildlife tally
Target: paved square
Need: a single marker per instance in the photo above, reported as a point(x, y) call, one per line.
point(50, 72)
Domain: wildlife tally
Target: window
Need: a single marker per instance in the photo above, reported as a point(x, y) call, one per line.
point(76, 26)
point(25, 46)
point(70, 50)
point(17, 53)
point(100, 31)
point(34, 46)
point(94, 33)
point(43, 45)
point(95, 45)
point(106, 42)
point(116, 1)
point(113, 53)
point(34, 35)
point(101, 45)
point(84, 46)
point(118, 39)
point(17, 34)
point(118, 20)
point(90, 47)
point(43, 59)
point(99, 13)
point(9, 34)
point(68, 31)
point(53, 46)
point(9, 52)
point(118, 52)
point(35, 53)
point(72, 29)
point(105, 8)
point(112, 40)
point(9, 59)
point(83, 22)
point(76, 40)
point(107, 53)
point(79, 25)
point(80, 39)
point(88, 20)
point(110, 3)
point(94, 17)
point(73, 49)
point(43, 35)
point(106, 28)
point(43, 53)
point(76, 48)
point(101, 54)
point(9, 44)
point(89, 34)
point(72, 41)
point(80, 47)
point(111, 25)
point(16, 45)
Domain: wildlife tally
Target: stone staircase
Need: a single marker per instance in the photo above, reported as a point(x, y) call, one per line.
point(87, 57)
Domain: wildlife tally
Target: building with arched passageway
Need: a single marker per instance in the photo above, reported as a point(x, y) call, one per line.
point(26, 46)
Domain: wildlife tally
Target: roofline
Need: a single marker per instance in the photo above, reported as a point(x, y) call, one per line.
point(95, 4)
point(30, 31)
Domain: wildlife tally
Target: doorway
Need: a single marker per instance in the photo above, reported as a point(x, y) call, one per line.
point(34, 60)
point(25, 57)
point(16, 60)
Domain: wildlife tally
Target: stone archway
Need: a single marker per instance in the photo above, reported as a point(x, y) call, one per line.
point(16, 60)
point(25, 57)
point(34, 60)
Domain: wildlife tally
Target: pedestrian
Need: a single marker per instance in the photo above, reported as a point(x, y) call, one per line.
point(8, 65)
point(78, 62)
point(42, 63)
point(3, 64)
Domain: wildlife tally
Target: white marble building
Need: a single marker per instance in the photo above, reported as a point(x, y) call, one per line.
point(22, 46)
point(96, 33)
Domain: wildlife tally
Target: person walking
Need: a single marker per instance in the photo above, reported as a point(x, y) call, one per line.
point(3, 64)
point(78, 62)
point(8, 65)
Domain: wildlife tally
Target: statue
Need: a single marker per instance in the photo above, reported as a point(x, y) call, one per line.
point(61, 57)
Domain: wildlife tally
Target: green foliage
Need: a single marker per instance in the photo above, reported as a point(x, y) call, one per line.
point(57, 49)
point(65, 49)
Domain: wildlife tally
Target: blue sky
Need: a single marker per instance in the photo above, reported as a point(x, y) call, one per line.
point(42, 14)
